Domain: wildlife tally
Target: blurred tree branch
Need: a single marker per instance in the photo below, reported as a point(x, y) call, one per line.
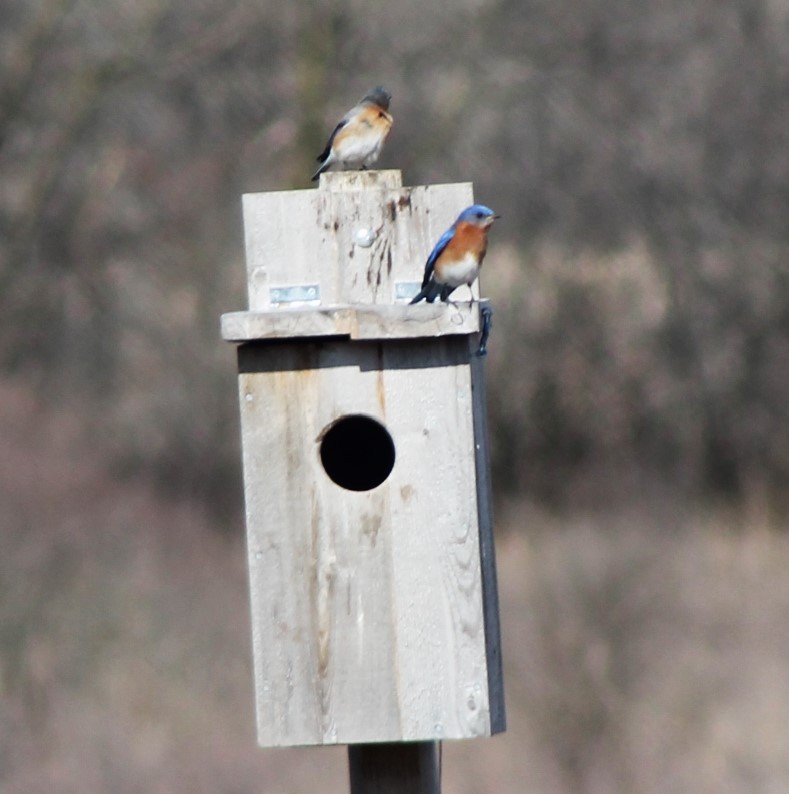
point(639, 157)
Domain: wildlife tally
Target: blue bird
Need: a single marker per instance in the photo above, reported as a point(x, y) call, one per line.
point(457, 256)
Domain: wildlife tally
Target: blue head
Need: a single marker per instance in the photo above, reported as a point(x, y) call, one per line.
point(477, 214)
point(378, 96)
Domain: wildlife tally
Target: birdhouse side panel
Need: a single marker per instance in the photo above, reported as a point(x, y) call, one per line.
point(490, 592)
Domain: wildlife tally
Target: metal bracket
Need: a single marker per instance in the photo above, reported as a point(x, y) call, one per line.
point(487, 324)
point(306, 293)
point(405, 290)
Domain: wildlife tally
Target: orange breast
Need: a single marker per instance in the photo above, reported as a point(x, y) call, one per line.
point(468, 239)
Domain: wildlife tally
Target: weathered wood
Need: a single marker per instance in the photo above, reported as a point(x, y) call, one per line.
point(355, 238)
point(361, 180)
point(355, 322)
point(373, 609)
point(367, 606)
point(405, 768)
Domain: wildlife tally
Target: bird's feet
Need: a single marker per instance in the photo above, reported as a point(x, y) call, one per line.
point(487, 324)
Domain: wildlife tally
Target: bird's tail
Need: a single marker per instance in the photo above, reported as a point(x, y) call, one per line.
point(323, 167)
point(429, 292)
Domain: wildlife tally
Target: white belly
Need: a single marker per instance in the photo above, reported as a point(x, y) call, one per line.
point(358, 150)
point(461, 271)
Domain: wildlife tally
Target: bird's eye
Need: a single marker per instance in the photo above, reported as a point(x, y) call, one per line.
point(480, 215)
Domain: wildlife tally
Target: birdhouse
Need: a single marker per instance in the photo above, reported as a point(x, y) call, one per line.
point(371, 560)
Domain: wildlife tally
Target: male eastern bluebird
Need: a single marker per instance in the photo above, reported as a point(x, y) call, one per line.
point(458, 255)
point(359, 137)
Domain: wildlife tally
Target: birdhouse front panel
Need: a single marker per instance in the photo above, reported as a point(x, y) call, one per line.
point(363, 539)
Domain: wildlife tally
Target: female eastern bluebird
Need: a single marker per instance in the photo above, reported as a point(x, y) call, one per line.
point(458, 255)
point(359, 137)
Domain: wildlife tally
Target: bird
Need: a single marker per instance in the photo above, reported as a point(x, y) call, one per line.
point(458, 254)
point(357, 140)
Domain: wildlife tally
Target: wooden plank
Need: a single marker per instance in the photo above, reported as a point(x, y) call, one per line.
point(355, 237)
point(390, 179)
point(412, 768)
point(437, 563)
point(367, 607)
point(490, 592)
point(356, 322)
point(283, 244)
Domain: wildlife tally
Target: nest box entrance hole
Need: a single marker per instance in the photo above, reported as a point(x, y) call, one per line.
point(357, 452)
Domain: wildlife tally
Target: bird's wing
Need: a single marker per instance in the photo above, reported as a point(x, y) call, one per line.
point(327, 149)
point(436, 252)
point(351, 115)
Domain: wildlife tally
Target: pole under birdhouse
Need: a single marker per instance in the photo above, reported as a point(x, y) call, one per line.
point(395, 768)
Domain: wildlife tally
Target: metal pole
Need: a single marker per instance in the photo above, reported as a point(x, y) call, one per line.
point(395, 768)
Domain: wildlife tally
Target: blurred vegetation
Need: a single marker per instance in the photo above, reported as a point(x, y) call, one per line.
point(639, 366)
point(639, 155)
point(644, 647)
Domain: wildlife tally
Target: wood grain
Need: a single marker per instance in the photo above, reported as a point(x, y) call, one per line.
point(383, 321)
point(367, 605)
point(300, 237)
point(374, 614)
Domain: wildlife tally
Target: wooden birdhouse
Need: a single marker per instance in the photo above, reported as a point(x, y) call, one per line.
point(371, 560)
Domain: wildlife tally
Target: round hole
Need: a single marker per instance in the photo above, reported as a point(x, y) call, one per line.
point(357, 453)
